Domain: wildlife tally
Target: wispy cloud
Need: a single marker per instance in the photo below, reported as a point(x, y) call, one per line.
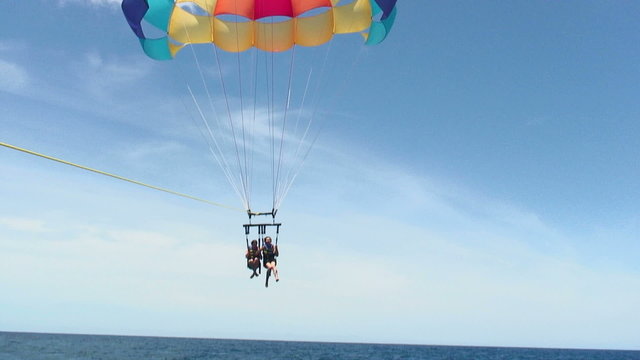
point(93, 83)
point(485, 277)
point(142, 151)
point(24, 224)
point(106, 76)
point(10, 45)
point(112, 3)
point(13, 77)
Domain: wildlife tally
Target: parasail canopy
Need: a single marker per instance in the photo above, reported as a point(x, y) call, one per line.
point(238, 25)
point(262, 112)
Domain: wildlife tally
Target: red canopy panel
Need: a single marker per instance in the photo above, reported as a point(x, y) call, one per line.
point(258, 9)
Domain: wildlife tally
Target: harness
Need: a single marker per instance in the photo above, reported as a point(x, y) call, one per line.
point(268, 253)
point(253, 253)
point(262, 231)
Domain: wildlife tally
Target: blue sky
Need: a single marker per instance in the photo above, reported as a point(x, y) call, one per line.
point(475, 183)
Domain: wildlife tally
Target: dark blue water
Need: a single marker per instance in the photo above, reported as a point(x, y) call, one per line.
point(27, 346)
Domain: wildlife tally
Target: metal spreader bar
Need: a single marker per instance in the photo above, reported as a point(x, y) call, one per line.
point(253, 213)
point(262, 228)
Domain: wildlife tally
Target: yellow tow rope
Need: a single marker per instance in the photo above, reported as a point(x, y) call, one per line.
point(116, 176)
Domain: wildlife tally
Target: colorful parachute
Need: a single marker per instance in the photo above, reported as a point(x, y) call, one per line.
point(372, 18)
point(258, 119)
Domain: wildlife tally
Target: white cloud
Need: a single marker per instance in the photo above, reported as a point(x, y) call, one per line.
point(104, 77)
point(438, 262)
point(153, 149)
point(24, 224)
point(13, 77)
point(8, 45)
point(430, 284)
point(91, 2)
point(371, 183)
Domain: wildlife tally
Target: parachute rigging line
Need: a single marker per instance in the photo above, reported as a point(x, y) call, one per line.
point(272, 112)
point(291, 173)
point(236, 26)
point(233, 132)
point(340, 90)
point(284, 184)
point(220, 157)
point(284, 123)
point(297, 171)
point(30, 152)
point(244, 142)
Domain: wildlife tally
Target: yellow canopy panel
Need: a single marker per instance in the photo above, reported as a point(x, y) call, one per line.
point(187, 28)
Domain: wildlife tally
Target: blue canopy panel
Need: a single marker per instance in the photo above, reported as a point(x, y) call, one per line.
point(156, 13)
point(381, 28)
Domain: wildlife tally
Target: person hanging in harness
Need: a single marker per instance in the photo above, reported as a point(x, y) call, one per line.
point(253, 258)
point(269, 254)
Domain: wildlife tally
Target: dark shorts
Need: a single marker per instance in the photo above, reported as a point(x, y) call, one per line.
point(249, 264)
point(266, 261)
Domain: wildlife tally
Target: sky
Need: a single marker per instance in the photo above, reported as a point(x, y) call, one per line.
point(475, 182)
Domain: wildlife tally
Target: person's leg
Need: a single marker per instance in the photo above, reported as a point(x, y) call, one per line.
point(254, 264)
point(275, 271)
point(266, 281)
point(266, 266)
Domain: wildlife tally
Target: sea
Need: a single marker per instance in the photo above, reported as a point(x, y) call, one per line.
point(32, 346)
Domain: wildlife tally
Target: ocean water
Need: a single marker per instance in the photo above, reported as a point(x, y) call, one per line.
point(28, 346)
